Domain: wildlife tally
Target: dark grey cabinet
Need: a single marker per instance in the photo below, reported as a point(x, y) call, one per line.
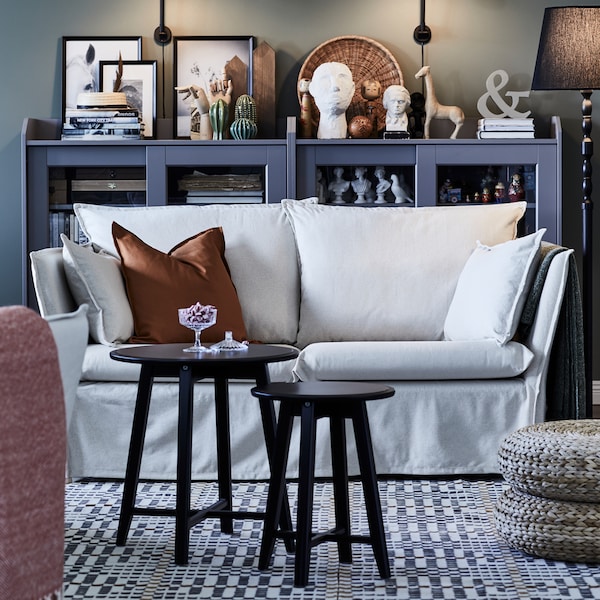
point(431, 172)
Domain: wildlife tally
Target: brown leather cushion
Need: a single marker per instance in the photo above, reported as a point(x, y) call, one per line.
point(158, 284)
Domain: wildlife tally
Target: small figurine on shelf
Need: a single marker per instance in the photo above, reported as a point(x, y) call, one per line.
point(200, 128)
point(401, 191)
point(306, 126)
point(416, 116)
point(500, 192)
point(320, 187)
point(444, 190)
point(516, 191)
point(332, 87)
point(383, 185)
point(371, 90)
point(361, 185)
point(396, 101)
point(338, 186)
point(486, 196)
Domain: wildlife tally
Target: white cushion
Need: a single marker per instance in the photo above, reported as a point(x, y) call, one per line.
point(259, 249)
point(386, 273)
point(96, 279)
point(492, 290)
point(416, 360)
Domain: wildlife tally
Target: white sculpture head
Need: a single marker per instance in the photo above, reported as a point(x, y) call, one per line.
point(332, 87)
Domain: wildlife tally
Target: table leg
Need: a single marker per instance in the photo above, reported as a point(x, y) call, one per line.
point(366, 461)
point(184, 465)
point(134, 459)
point(339, 463)
point(269, 423)
point(306, 480)
point(223, 449)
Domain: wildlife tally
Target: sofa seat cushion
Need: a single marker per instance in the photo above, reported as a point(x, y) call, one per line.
point(99, 366)
point(416, 360)
point(402, 286)
point(259, 249)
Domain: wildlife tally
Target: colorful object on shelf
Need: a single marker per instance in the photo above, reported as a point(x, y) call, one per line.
point(360, 127)
point(219, 118)
point(243, 129)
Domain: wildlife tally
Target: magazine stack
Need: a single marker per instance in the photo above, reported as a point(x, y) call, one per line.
point(102, 115)
point(505, 128)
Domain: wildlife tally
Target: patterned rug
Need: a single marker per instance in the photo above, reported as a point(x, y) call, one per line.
point(441, 540)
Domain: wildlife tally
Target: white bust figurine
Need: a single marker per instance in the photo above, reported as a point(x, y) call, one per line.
point(396, 100)
point(332, 88)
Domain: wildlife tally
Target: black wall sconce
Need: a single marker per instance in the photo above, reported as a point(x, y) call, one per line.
point(422, 33)
point(162, 34)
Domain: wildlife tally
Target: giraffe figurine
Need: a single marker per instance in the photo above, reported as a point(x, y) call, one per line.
point(435, 110)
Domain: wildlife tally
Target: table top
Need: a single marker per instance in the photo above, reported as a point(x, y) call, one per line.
point(324, 390)
point(174, 354)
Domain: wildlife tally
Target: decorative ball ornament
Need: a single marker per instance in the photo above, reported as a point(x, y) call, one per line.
point(243, 129)
point(360, 126)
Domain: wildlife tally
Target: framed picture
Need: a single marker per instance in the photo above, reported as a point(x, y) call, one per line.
point(138, 83)
point(206, 62)
point(81, 62)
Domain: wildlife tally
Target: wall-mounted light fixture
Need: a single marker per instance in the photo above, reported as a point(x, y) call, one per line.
point(569, 59)
point(162, 34)
point(422, 33)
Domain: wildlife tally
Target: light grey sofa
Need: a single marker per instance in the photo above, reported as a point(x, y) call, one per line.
point(405, 296)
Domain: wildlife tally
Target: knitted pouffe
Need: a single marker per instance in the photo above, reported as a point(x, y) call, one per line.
point(552, 508)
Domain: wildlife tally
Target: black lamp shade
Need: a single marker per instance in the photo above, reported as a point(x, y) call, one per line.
point(569, 51)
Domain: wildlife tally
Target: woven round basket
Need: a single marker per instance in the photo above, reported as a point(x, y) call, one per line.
point(557, 459)
point(366, 59)
point(566, 531)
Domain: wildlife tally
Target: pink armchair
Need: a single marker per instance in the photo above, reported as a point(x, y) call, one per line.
point(32, 458)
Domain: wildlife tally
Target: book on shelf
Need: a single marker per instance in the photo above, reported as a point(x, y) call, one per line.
point(483, 135)
point(94, 120)
point(506, 123)
point(102, 134)
point(101, 113)
point(505, 127)
point(224, 197)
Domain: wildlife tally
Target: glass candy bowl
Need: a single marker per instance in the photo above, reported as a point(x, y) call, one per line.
point(198, 317)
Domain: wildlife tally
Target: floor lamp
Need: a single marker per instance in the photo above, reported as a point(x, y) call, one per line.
point(569, 59)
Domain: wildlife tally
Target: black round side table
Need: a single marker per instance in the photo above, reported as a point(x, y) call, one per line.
point(311, 401)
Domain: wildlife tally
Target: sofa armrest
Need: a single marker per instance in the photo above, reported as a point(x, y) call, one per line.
point(50, 282)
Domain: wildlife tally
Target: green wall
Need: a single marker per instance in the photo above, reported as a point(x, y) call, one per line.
point(471, 38)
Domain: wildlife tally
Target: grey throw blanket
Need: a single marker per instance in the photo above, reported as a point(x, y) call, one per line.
point(565, 391)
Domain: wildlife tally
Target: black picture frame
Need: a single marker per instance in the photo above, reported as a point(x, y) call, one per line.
point(200, 60)
point(81, 56)
point(139, 86)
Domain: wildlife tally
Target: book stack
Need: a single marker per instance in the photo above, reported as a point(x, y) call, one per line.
point(204, 188)
point(102, 116)
point(505, 128)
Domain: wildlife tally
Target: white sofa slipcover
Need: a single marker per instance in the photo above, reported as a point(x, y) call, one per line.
point(363, 293)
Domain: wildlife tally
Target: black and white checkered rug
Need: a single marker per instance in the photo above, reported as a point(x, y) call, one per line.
point(441, 540)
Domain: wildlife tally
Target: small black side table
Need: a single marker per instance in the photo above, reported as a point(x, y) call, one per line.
point(169, 360)
point(312, 401)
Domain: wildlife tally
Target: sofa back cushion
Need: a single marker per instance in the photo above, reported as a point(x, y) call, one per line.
point(387, 273)
point(259, 249)
point(158, 284)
